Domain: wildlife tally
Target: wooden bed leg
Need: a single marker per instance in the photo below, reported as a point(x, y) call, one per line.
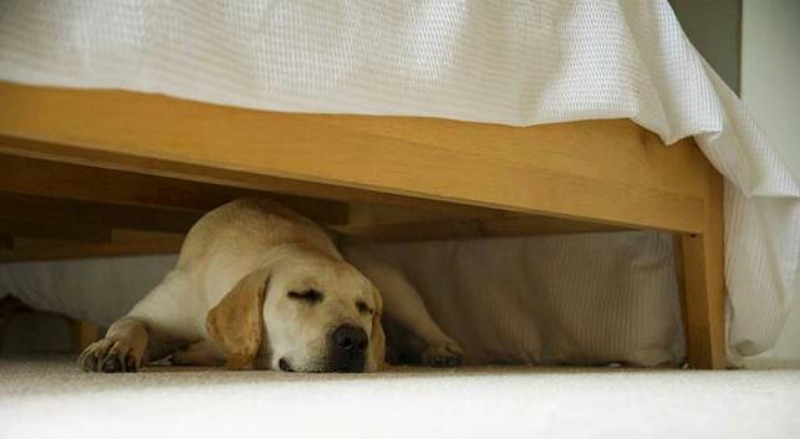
point(704, 286)
point(85, 333)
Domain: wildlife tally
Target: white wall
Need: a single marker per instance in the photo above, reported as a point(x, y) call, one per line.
point(771, 71)
point(713, 28)
point(770, 87)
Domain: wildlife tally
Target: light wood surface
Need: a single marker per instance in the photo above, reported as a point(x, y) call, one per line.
point(48, 200)
point(52, 179)
point(704, 285)
point(516, 225)
point(612, 172)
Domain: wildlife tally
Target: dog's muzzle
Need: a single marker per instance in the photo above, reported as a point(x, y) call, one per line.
point(347, 349)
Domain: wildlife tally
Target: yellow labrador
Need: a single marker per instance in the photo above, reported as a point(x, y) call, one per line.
point(259, 286)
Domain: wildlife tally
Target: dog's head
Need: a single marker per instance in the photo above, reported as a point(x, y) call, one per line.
point(303, 312)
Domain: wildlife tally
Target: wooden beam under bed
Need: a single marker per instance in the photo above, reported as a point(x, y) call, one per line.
point(74, 210)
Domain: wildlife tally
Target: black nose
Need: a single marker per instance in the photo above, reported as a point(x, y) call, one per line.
point(347, 349)
point(349, 339)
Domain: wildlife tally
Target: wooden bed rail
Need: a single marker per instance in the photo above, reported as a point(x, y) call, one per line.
point(608, 171)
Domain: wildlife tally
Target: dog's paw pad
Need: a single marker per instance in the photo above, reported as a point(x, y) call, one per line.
point(108, 356)
point(444, 355)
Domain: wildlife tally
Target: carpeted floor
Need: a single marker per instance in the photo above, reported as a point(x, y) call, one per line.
point(50, 397)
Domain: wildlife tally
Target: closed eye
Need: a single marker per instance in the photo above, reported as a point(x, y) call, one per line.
point(310, 296)
point(363, 308)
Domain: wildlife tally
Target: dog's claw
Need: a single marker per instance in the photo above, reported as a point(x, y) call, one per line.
point(130, 364)
point(453, 361)
point(112, 364)
point(108, 356)
point(88, 362)
point(445, 361)
point(447, 354)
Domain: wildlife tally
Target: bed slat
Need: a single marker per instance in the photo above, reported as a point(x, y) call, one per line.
point(514, 169)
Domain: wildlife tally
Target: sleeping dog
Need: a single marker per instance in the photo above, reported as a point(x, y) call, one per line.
point(259, 286)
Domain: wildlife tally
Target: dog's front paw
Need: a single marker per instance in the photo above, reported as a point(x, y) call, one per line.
point(110, 356)
point(445, 354)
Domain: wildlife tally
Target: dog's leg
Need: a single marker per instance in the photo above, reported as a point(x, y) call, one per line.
point(202, 353)
point(128, 345)
point(402, 303)
point(159, 324)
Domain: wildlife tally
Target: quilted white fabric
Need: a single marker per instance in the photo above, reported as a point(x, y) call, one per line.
point(516, 63)
point(581, 300)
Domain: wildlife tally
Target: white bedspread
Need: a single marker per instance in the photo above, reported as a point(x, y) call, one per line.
point(516, 63)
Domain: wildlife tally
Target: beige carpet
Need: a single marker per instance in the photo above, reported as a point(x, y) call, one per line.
point(50, 397)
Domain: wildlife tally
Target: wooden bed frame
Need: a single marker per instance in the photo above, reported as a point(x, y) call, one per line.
point(88, 173)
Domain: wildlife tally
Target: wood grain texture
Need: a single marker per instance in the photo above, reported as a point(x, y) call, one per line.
point(123, 243)
point(517, 225)
point(46, 178)
point(58, 211)
point(86, 158)
point(704, 289)
point(554, 169)
point(43, 230)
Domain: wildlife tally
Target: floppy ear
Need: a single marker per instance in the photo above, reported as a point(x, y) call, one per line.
point(236, 323)
point(377, 339)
